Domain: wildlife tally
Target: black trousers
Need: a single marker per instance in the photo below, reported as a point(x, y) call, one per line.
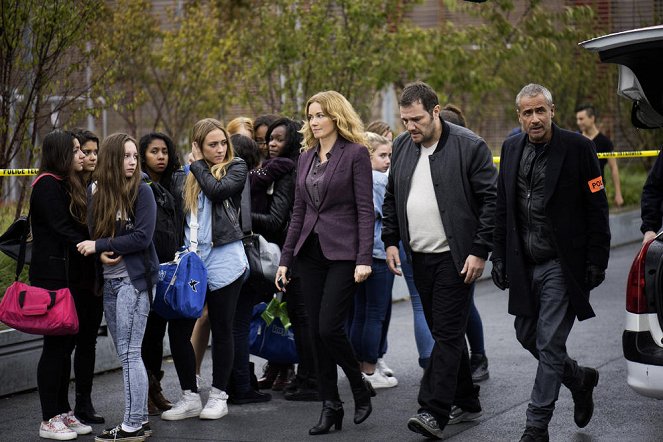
point(90, 309)
point(446, 302)
point(152, 348)
point(301, 328)
point(179, 334)
point(54, 366)
point(221, 305)
point(329, 287)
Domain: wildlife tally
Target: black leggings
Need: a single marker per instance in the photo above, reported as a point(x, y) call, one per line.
point(179, 333)
point(90, 309)
point(221, 305)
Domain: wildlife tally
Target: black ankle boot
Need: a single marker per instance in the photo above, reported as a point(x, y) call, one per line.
point(362, 396)
point(84, 410)
point(331, 415)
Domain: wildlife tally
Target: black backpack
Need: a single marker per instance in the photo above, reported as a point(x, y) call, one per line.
point(167, 232)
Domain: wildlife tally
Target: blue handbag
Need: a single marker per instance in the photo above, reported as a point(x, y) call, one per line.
point(182, 283)
point(270, 335)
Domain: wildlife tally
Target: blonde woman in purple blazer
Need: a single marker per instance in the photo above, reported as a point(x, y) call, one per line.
point(330, 243)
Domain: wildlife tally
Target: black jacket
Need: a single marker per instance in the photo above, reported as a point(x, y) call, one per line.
point(464, 177)
point(273, 224)
point(576, 207)
point(226, 196)
point(535, 229)
point(55, 234)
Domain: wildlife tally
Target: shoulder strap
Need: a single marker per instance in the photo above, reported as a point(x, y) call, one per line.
point(20, 260)
point(193, 232)
point(245, 208)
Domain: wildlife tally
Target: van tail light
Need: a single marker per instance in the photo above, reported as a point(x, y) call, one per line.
point(636, 298)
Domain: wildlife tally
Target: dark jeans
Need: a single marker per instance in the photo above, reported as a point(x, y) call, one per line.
point(152, 348)
point(371, 306)
point(446, 301)
point(90, 309)
point(221, 306)
point(329, 287)
point(179, 335)
point(545, 337)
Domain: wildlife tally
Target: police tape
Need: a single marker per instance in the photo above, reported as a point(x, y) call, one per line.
point(622, 154)
point(496, 160)
point(18, 172)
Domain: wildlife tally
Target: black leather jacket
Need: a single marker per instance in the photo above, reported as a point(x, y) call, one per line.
point(226, 196)
point(273, 225)
point(536, 232)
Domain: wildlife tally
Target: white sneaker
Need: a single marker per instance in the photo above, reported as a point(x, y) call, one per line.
point(73, 423)
point(378, 380)
point(216, 406)
point(382, 367)
point(56, 429)
point(189, 405)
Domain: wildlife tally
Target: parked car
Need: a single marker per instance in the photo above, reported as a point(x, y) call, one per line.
point(638, 53)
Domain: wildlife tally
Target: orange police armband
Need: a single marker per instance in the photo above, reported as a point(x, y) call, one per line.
point(596, 184)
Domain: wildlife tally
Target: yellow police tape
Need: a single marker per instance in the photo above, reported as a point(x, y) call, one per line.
point(496, 160)
point(18, 172)
point(622, 154)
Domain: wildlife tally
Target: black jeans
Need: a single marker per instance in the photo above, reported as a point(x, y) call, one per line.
point(152, 348)
point(90, 309)
point(446, 302)
point(179, 334)
point(329, 287)
point(221, 305)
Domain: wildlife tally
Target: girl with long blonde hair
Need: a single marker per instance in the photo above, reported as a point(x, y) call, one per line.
point(212, 196)
point(121, 218)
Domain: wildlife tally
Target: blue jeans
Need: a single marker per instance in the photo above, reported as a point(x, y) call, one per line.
point(422, 334)
point(475, 329)
point(126, 311)
point(372, 301)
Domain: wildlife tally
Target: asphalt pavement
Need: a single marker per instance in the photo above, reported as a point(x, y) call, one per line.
point(620, 414)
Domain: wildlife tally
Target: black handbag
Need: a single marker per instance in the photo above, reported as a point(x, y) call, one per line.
point(262, 255)
point(10, 241)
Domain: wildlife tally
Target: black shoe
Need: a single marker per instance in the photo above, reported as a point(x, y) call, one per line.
point(331, 416)
point(302, 394)
point(582, 399)
point(250, 397)
point(479, 367)
point(119, 435)
point(85, 412)
point(535, 434)
point(147, 429)
point(425, 424)
point(362, 396)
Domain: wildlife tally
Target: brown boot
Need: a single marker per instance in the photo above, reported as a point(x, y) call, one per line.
point(152, 409)
point(155, 393)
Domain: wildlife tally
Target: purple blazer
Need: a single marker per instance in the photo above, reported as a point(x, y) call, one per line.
point(345, 217)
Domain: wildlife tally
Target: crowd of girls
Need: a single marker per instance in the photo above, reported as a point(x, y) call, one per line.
point(315, 187)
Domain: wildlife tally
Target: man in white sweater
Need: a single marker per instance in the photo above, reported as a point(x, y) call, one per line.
point(440, 202)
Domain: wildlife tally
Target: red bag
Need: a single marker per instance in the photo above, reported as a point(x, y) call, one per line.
point(39, 311)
